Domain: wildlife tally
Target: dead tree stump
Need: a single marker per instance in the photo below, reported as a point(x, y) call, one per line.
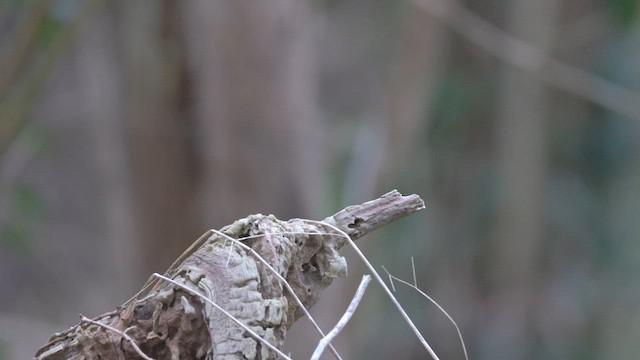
point(172, 323)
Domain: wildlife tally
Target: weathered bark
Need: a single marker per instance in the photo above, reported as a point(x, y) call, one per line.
point(171, 323)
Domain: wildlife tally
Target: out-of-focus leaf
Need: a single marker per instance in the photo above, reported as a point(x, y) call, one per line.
point(17, 239)
point(452, 102)
point(27, 207)
point(624, 11)
point(48, 30)
point(458, 95)
point(27, 202)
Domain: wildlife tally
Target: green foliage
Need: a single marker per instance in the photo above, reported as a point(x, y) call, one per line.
point(27, 202)
point(18, 239)
point(624, 11)
point(26, 208)
point(48, 31)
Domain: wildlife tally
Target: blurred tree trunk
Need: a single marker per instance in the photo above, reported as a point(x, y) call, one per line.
point(254, 77)
point(221, 102)
point(158, 131)
point(409, 89)
point(522, 161)
point(98, 62)
point(414, 75)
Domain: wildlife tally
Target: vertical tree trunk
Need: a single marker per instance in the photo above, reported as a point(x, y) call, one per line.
point(415, 73)
point(103, 86)
point(522, 161)
point(158, 132)
point(255, 91)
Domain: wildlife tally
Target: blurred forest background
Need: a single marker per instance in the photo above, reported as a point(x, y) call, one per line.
point(128, 128)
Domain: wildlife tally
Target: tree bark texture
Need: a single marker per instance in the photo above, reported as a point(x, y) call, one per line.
point(171, 323)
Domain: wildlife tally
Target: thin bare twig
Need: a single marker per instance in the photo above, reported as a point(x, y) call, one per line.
point(384, 286)
point(230, 316)
point(121, 333)
point(351, 309)
point(415, 287)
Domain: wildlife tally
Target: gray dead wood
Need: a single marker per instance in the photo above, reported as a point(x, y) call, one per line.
point(171, 323)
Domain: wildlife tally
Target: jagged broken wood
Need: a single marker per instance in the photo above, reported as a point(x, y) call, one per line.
point(171, 323)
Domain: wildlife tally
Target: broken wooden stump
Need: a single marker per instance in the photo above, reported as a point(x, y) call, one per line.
point(171, 322)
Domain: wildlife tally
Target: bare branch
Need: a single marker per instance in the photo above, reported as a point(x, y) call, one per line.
point(528, 57)
point(389, 293)
point(359, 220)
point(351, 309)
point(415, 287)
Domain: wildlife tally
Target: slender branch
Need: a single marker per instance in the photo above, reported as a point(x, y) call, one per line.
point(399, 307)
point(528, 57)
point(359, 220)
point(351, 309)
point(414, 286)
